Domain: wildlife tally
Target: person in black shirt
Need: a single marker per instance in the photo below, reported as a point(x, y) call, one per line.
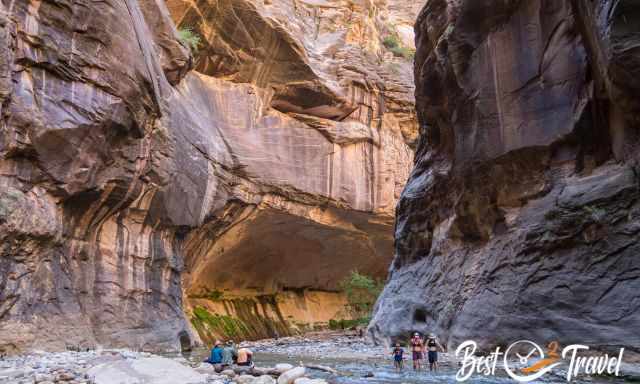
point(432, 351)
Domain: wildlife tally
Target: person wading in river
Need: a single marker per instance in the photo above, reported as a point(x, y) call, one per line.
point(432, 351)
point(398, 357)
point(417, 346)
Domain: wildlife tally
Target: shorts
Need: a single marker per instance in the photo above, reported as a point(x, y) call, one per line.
point(417, 355)
point(397, 363)
point(433, 357)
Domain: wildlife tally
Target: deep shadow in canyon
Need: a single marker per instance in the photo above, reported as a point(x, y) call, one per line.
point(520, 219)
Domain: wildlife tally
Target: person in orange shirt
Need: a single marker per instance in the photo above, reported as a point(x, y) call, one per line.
point(244, 357)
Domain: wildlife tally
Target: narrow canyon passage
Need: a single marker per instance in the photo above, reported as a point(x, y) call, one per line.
point(178, 171)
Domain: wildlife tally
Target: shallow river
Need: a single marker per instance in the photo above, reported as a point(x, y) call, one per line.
point(354, 371)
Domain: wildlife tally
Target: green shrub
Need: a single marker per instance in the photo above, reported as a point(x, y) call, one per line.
point(214, 295)
point(407, 53)
point(362, 292)
point(189, 38)
point(392, 43)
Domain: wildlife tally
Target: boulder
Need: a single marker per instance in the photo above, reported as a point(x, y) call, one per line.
point(283, 367)
point(228, 372)
point(206, 368)
point(244, 379)
point(264, 379)
point(306, 380)
point(148, 370)
point(289, 376)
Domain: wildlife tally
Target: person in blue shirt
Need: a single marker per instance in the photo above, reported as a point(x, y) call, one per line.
point(398, 357)
point(216, 354)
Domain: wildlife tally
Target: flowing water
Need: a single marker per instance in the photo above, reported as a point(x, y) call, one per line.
point(380, 371)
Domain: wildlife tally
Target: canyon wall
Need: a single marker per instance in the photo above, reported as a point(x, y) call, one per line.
point(521, 217)
point(137, 176)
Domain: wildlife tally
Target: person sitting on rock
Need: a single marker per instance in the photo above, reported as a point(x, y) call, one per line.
point(398, 357)
point(216, 354)
point(244, 357)
point(229, 354)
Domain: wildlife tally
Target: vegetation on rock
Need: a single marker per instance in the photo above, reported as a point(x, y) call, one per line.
point(211, 326)
point(392, 42)
point(362, 291)
point(189, 38)
point(213, 295)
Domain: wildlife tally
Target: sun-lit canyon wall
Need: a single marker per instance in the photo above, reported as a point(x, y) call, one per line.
point(521, 218)
point(319, 117)
point(135, 174)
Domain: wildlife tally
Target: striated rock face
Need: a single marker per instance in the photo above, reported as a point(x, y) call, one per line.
point(128, 180)
point(317, 118)
point(521, 218)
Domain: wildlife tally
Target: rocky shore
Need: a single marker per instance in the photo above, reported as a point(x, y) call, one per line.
point(127, 367)
point(318, 358)
point(114, 366)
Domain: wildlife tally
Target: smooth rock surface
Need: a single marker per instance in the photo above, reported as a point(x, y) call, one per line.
point(150, 370)
point(521, 218)
point(291, 375)
point(283, 367)
point(264, 379)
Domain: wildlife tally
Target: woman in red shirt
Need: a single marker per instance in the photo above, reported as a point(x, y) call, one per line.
point(417, 346)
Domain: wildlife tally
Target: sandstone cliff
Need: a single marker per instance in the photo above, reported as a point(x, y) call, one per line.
point(134, 172)
point(521, 218)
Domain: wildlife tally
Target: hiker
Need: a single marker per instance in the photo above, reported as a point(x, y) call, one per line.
point(417, 346)
point(229, 353)
point(398, 357)
point(216, 354)
point(432, 351)
point(244, 357)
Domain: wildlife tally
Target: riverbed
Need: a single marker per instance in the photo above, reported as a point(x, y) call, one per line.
point(343, 359)
point(361, 362)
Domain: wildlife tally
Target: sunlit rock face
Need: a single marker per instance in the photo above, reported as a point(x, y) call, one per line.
point(521, 218)
point(317, 120)
point(128, 180)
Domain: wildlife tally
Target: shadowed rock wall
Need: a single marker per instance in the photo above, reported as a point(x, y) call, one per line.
point(521, 217)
